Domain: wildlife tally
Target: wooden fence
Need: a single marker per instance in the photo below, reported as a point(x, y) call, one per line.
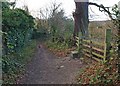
point(98, 51)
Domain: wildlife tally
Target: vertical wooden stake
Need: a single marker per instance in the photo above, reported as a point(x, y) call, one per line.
point(80, 44)
point(91, 49)
point(107, 44)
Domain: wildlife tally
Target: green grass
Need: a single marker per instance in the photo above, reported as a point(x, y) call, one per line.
point(56, 45)
point(13, 65)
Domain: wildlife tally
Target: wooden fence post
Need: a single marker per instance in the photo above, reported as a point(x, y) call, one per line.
point(107, 44)
point(91, 55)
point(80, 44)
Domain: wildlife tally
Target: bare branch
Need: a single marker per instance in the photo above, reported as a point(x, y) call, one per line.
point(105, 9)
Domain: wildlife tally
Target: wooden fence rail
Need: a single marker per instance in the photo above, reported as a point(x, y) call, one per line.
point(98, 51)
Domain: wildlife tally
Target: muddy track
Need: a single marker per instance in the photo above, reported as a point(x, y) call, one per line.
point(46, 68)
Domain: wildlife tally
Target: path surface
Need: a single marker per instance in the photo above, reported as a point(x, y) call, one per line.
point(45, 68)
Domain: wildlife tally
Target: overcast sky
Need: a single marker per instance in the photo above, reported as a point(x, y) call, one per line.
point(68, 6)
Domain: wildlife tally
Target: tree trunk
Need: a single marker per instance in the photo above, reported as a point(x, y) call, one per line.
point(81, 19)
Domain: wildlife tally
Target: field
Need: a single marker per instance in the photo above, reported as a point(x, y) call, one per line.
point(97, 29)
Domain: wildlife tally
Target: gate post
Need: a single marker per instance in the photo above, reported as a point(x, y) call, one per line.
point(108, 38)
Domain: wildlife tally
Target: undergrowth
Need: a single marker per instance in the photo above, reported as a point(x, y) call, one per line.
point(59, 49)
point(13, 65)
point(100, 73)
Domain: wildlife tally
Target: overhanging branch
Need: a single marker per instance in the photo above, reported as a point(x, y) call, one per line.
point(105, 9)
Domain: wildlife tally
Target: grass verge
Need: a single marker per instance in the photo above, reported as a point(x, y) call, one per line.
point(59, 49)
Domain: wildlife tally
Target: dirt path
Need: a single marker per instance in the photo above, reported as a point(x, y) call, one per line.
point(45, 68)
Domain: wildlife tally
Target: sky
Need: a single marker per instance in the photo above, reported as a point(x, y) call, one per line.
point(68, 5)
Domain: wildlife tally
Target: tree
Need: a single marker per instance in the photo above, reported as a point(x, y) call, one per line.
point(53, 17)
point(81, 19)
